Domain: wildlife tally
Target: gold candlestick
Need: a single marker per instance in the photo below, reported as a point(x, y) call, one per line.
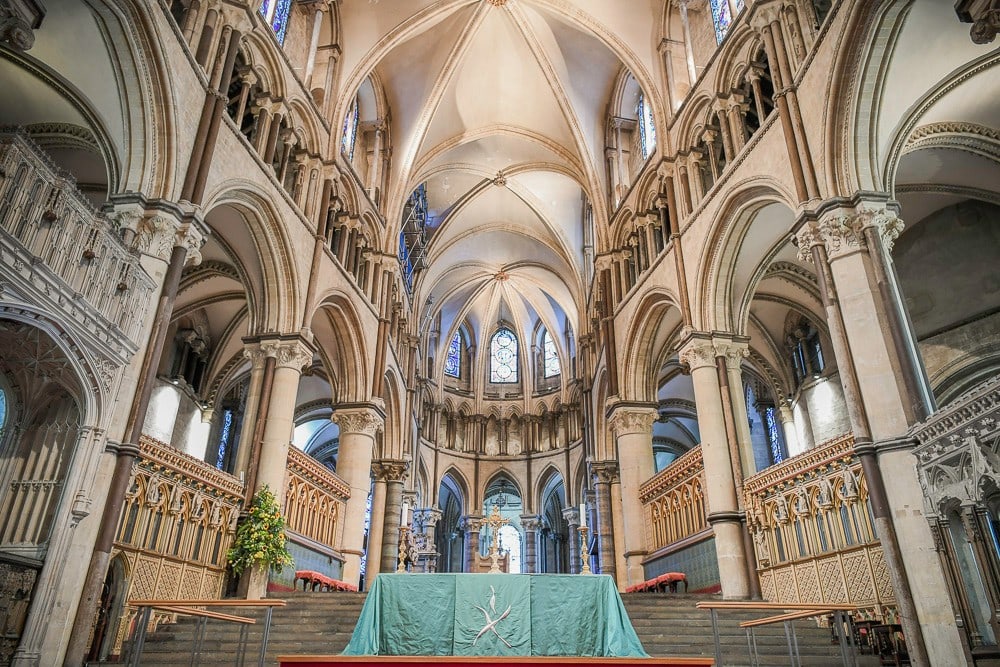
point(585, 568)
point(401, 568)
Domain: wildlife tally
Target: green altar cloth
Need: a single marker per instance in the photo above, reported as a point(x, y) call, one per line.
point(494, 614)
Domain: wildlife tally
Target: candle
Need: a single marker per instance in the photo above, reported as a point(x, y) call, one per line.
point(402, 515)
point(583, 515)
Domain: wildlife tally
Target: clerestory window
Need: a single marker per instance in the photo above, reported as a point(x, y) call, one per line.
point(503, 357)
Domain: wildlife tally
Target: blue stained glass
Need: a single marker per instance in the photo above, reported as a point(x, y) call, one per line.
point(503, 357)
point(279, 19)
point(722, 17)
point(551, 356)
point(453, 361)
point(774, 437)
point(227, 427)
point(350, 133)
point(3, 409)
point(647, 131)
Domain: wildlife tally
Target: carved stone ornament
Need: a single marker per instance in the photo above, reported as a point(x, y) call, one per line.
point(604, 472)
point(390, 470)
point(192, 238)
point(287, 354)
point(842, 232)
point(629, 420)
point(363, 421)
point(155, 236)
point(15, 29)
point(531, 522)
point(698, 353)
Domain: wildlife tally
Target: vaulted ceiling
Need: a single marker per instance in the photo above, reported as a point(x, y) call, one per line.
point(500, 108)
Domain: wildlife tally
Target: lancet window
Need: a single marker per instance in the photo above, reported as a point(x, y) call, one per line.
point(503, 357)
point(647, 131)
point(723, 13)
point(276, 13)
point(349, 135)
point(453, 358)
point(550, 356)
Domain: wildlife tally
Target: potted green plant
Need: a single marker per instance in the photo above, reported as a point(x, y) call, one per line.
point(260, 538)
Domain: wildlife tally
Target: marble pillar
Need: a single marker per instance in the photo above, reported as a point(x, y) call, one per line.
point(572, 517)
point(471, 525)
point(531, 523)
point(393, 472)
point(632, 426)
point(604, 473)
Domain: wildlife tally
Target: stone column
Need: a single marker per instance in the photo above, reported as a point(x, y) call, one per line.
point(290, 354)
point(376, 528)
point(632, 426)
point(393, 472)
point(682, 6)
point(886, 394)
point(471, 524)
point(358, 426)
point(720, 488)
point(531, 523)
point(572, 517)
point(321, 9)
point(604, 473)
point(428, 518)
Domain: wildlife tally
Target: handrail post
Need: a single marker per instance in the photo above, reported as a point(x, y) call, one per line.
point(715, 636)
point(241, 647)
point(267, 633)
point(788, 641)
point(139, 636)
point(199, 639)
point(795, 642)
point(756, 654)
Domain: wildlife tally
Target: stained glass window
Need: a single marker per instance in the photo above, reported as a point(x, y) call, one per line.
point(453, 360)
point(774, 437)
point(276, 13)
point(224, 437)
point(722, 16)
point(350, 133)
point(503, 356)
point(3, 409)
point(647, 131)
point(551, 356)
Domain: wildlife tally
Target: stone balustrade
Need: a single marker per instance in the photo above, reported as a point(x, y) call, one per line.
point(54, 238)
point(315, 499)
point(674, 502)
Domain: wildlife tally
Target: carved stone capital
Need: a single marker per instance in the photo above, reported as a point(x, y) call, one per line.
point(390, 470)
point(531, 522)
point(843, 230)
point(287, 352)
point(698, 353)
point(471, 523)
point(604, 472)
point(734, 352)
point(572, 516)
point(629, 419)
point(427, 516)
point(363, 421)
point(154, 234)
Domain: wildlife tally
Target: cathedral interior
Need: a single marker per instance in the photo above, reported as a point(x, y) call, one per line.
point(709, 278)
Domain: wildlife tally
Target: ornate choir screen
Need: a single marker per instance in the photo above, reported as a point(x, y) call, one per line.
point(178, 522)
point(314, 500)
point(814, 534)
point(674, 502)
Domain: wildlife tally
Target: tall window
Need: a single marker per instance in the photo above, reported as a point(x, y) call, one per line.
point(647, 131)
point(722, 16)
point(350, 133)
point(453, 360)
point(551, 357)
point(276, 13)
point(775, 438)
point(224, 438)
point(503, 357)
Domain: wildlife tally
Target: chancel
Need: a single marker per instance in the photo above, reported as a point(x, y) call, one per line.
point(680, 317)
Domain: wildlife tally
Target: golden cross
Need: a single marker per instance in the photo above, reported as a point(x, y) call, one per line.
point(494, 520)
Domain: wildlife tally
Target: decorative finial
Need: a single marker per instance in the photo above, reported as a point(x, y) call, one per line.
point(500, 179)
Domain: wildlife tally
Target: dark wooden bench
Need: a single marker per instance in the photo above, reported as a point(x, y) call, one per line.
point(664, 582)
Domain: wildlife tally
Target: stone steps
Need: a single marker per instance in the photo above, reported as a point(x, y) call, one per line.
point(322, 623)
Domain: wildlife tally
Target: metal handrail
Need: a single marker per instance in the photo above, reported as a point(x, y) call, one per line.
point(842, 618)
point(188, 608)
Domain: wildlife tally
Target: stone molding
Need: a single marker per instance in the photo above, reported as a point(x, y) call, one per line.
point(842, 231)
point(390, 470)
point(628, 420)
point(361, 421)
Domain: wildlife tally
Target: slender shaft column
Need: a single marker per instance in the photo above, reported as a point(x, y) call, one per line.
point(471, 525)
point(428, 518)
point(632, 426)
point(604, 473)
point(572, 517)
point(531, 523)
point(187, 238)
point(394, 473)
point(321, 9)
point(358, 426)
point(376, 529)
point(720, 488)
point(885, 395)
point(682, 5)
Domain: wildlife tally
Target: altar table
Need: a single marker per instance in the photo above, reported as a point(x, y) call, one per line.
point(494, 615)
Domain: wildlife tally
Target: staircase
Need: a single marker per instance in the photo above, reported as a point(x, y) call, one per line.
point(321, 624)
